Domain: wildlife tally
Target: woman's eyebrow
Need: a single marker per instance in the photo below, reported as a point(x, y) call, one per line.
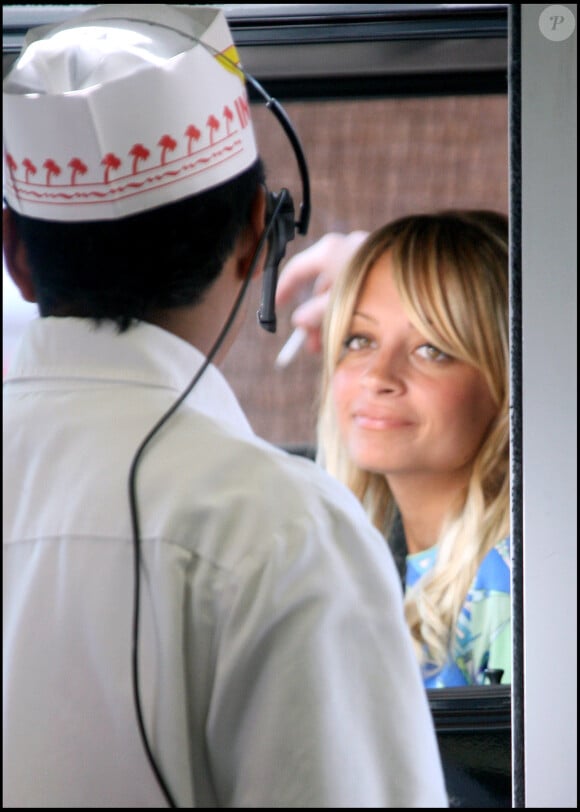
point(375, 320)
point(365, 316)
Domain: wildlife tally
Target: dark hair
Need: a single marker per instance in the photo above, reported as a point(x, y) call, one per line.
point(123, 270)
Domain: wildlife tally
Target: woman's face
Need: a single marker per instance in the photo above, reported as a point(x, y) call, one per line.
point(404, 407)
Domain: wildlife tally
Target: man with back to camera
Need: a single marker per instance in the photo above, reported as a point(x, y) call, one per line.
point(260, 658)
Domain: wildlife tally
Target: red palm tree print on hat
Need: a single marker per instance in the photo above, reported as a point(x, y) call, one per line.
point(52, 168)
point(78, 168)
point(12, 165)
point(214, 126)
point(139, 153)
point(193, 134)
point(229, 117)
point(110, 161)
point(30, 169)
point(167, 144)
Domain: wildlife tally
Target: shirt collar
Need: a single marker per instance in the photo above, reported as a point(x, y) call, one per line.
point(56, 351)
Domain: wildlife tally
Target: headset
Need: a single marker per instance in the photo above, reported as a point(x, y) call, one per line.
point(280, 215)
point(281, 227)
point(283, 223)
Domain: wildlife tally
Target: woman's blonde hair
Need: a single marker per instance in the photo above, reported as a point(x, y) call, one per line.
point(451, 271)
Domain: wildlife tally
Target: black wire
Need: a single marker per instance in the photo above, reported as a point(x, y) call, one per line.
point(275, 106)
point(302, 227)
point(133, 495)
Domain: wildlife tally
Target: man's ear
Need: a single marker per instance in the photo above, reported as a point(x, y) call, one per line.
point(16, 257)
point(252, 235)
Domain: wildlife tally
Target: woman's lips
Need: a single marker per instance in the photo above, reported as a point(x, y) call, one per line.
point(380, 422)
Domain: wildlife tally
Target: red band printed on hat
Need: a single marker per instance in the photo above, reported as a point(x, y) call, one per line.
point(199, 148)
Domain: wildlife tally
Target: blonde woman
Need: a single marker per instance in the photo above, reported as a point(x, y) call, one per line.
point(414, 419)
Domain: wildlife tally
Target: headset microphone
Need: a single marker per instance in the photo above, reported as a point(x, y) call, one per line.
point(281, 224)
point(282, 232)
point(280, 209)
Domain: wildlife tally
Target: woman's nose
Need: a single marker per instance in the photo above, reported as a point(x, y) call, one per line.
point(384, 372)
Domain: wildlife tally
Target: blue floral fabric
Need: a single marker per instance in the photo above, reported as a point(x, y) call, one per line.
point(482, 637)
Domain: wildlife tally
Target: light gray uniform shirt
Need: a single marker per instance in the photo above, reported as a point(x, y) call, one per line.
point(275, 666)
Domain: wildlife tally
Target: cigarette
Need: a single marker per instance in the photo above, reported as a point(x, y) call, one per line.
point(290, 348)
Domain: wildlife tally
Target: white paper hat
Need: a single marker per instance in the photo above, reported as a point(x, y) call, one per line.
point(122, 109)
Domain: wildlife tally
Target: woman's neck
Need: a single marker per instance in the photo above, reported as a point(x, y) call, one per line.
point(424, 503)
